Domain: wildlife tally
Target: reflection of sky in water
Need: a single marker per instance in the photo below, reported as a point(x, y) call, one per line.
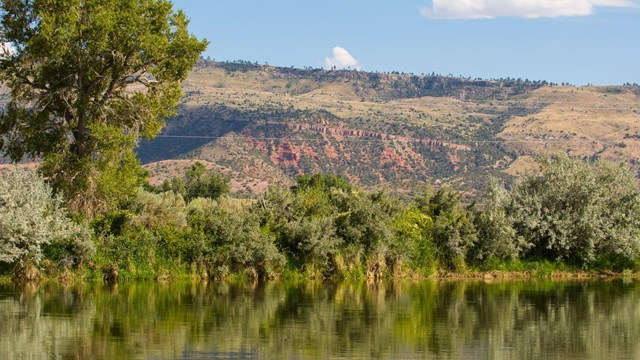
point(446, 320)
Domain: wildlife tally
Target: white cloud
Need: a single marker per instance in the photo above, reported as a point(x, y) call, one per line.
point(490, 9)
point(341, 59)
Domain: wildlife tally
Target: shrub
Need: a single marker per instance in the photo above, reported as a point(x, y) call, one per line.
point(497, 237)
point(414, 238)
point(164, 210)
point(365, 220)
point(202, 183)
point(311, 241)
point(233, 239)
point(32, 217)
point(453, 231)
point(577, 211)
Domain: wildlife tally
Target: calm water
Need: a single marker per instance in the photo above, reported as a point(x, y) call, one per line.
point(423, 320)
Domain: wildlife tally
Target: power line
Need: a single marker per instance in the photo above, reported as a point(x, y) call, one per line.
point(452, 141)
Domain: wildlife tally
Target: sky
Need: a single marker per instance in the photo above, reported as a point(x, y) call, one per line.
point(575, 41)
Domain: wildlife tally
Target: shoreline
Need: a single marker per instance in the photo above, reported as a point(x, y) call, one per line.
point(529, 275)
point(472, 275)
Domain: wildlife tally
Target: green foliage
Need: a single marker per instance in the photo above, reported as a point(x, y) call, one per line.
point(148, 241)
point(111, 223)
point(414, 232)
point(87, 79)
point(311, 240)
point(165, 210)
point(32, 218)
point(453, 229)
point(572, 214)
point(202, 183)
point(364, 220)
point(302, 222)
point(327, 227)
point(198, 182)
point(587, 214)
point(136, 253)
point(577, 211)
point(232, 238)
point(497, 236)
point(323, 182)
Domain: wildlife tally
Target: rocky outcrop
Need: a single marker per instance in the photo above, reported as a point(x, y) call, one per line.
point(357, 133)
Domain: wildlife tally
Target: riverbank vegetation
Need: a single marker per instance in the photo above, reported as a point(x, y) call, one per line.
point(572, 215)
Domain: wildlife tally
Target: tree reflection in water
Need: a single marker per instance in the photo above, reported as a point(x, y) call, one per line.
point(433, 320)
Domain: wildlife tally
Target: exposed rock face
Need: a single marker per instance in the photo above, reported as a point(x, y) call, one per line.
point(316, 148)
point(355, 133)
point(390, 157)
point(286, 155)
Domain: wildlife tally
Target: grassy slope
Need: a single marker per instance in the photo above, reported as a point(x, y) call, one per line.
point(586, 122)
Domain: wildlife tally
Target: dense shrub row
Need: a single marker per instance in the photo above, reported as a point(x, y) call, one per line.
point(583, 214)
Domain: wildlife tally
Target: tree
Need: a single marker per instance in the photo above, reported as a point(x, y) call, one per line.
point(207, 184)
point(164, 210)
point(497, 236)
point(414, 237)
point(232, 239)
point(88, 78)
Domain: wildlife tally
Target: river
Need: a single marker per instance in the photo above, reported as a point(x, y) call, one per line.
point(538, 319)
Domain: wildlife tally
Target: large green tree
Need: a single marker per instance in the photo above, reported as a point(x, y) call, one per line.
point(88, 79)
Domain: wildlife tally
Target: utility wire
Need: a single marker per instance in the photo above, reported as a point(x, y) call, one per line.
point(204, 137)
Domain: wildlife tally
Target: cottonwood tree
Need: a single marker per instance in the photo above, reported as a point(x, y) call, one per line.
point(88, 79)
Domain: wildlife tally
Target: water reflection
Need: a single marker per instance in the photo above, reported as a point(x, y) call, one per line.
point(433, 320)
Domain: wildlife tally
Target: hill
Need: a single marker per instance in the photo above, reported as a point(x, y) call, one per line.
point(265, 123)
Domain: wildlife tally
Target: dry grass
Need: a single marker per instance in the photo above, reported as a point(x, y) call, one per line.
point(521, 165)
point(583, 121)
point(258, 89)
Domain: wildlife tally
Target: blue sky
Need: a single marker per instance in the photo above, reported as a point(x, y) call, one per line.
point(575, 41)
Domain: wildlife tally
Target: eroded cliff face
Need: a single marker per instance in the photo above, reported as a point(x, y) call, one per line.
point(319, 145)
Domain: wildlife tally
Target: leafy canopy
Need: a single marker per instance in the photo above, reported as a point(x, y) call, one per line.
point(88, 78)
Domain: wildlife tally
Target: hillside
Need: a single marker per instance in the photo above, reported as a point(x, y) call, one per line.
point(265, 123)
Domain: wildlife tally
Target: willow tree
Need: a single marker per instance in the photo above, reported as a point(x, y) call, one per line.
point(88, 79)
